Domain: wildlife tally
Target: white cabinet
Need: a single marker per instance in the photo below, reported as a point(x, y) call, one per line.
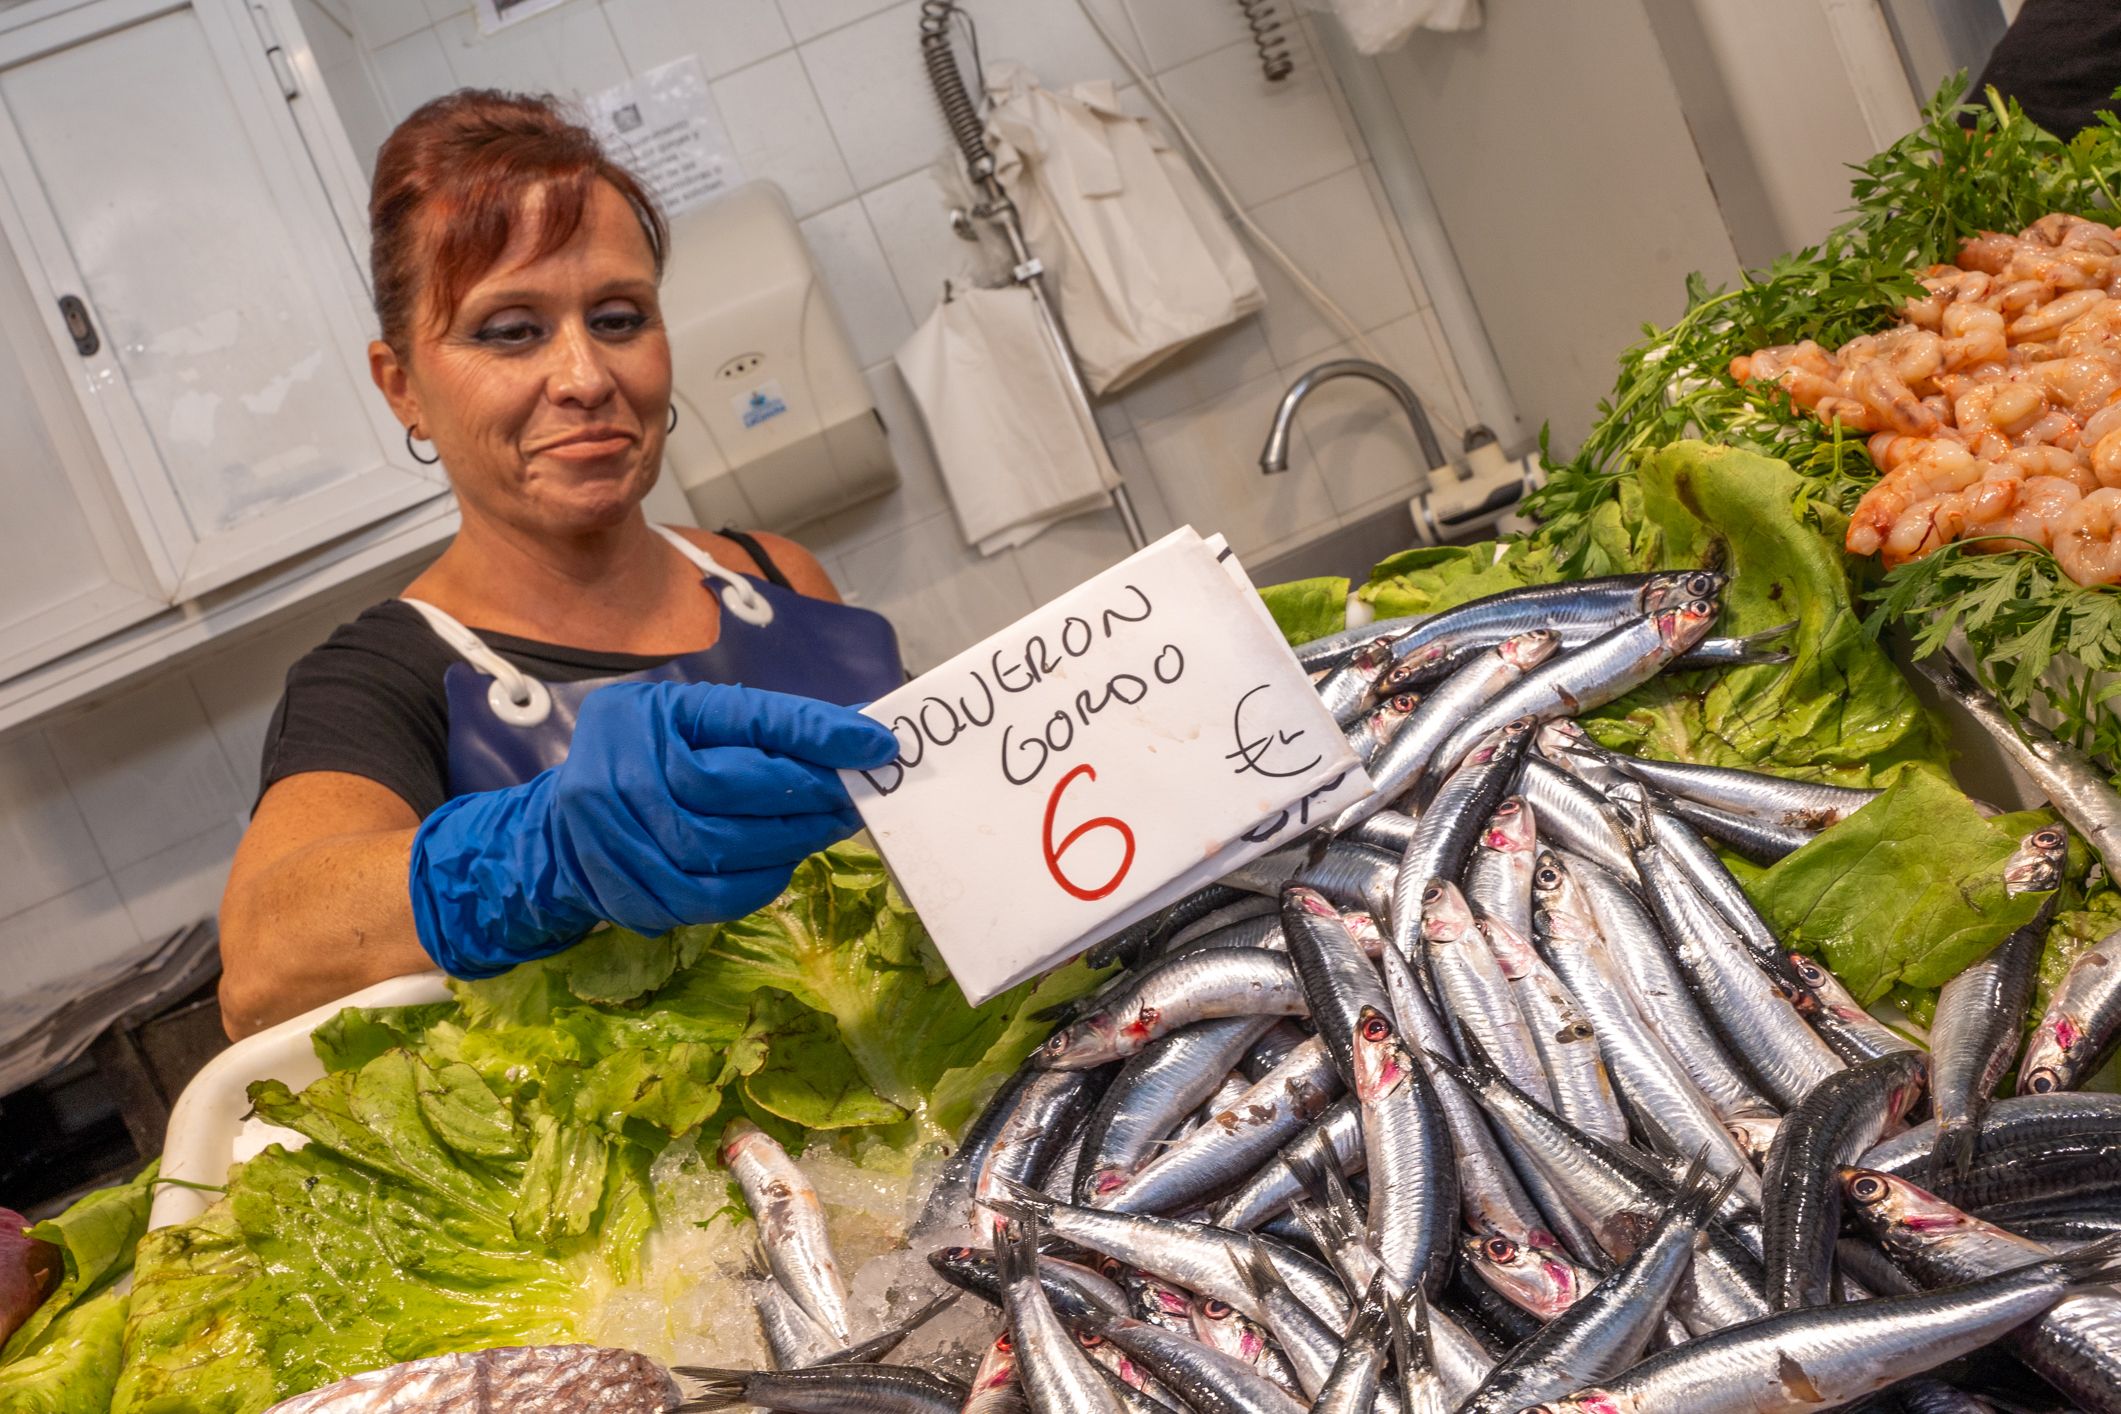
point(185, 409)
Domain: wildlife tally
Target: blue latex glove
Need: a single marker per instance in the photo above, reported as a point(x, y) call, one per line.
point(677, 803)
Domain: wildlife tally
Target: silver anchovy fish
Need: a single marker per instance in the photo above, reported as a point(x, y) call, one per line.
point(2081, 1025)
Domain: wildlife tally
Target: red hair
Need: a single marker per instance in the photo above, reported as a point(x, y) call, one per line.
point(450, 182)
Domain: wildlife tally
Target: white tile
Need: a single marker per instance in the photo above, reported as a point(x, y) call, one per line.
point(330, 41)
point(1133, 463)
point(568, 51)
point(859, 279)
point(727, 35)
point(361, 109)
point(440, 10)
point(45, 846)
point(239, 687)
point(1309, 50)
point(807, 19)
point(1362, 443)
point(1204, 369)
point(1440, 346)
point(876, 95)
point(1267, 138)
point(912, 221)
point(181, 885)
point(1052, 39)
point(1175, 32)
point(412, 71)
point(76, 932)
point(1112, 418)
point(1335, 234)
point(147, 771)
point(1206, 464)
point(779, 131)
point(919, 494)
point(941, 594)
point(381, 22)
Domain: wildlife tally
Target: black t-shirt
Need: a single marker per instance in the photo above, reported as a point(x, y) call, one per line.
point(370, 701)
point(2061, 59)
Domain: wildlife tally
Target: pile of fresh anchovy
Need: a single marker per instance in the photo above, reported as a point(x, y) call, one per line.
point(1499, 1094)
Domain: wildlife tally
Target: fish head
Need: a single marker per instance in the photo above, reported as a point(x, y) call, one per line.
point(1372, 658)
point(1754, 1134)
point(1680, 586)
point(1513, 951)
point(1681, 627)
point(1559, 739)
point(2037, 863)
point(1085, 1041)
point(1822, 983)
point(1308, 900)
point(1510, 830)
point(1362, 927)
point(1526, 651)
point(1218, 1324)
point(1380, 1061)
point(1445, 914)
point(1391, 713)
point(1106, 1179)
point(1158, 1300)
point(1587, 1401)
point(743, 1138)
point(2047, 1054)
point(1898, 1214)
point(1533, 1279)
point(960, 1265)
point(997, 1366)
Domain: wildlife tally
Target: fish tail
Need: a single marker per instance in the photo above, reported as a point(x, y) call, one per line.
point(708, 1389)
point(1701, 1191)
point(2094, 1264)
point(1259, 1272)
point(1019, 1201)
point(1016, 1249)
point(1631, 810)
point(1953, 1153)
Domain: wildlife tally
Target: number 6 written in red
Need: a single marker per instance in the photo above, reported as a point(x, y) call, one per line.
point(1102, 822)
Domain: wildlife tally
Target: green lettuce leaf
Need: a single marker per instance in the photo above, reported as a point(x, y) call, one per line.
point(73, 1366)
point(95, 1238)
point(357, 1035)
point(1839, 711)
point(1305, 609)
point(192, 1342)
point(1906, 891)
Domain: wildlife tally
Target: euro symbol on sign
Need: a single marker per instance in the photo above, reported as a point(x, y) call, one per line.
point(1265, 753)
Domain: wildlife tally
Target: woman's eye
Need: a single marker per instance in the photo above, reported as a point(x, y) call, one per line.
point(516, 332)
point(619, 321)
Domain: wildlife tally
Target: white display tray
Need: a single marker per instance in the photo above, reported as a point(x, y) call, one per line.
point(211, 1126)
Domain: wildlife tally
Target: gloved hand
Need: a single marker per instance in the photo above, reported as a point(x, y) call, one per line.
point(677, 803)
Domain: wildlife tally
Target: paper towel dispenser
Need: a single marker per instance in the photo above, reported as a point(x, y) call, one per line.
point(775, 422)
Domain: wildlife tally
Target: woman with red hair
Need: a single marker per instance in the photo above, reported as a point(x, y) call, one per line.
point(572, 715)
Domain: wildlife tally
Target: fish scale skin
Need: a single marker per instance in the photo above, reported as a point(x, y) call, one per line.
point(2081, 1024)
point(516, 1379)
point(1801, 1183)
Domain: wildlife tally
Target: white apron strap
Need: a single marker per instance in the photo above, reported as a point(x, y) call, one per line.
point(739, 596)
point(515, 697)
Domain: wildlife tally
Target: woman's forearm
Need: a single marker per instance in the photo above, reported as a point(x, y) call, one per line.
point(314, 924)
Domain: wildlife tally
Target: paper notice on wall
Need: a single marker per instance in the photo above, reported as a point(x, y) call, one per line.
point(664, 127)
point(499, 14)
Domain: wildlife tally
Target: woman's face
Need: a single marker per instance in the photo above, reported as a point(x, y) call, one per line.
point(547, 390)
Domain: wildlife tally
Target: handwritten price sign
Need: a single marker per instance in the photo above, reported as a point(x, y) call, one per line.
point(1132, 740)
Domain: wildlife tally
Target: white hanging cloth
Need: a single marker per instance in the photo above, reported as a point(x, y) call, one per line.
point(1140, 259)
point(1377, 26)
point(1017, 448)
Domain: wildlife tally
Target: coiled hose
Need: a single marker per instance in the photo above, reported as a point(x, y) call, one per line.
point(1268, 39)
point(959, 111)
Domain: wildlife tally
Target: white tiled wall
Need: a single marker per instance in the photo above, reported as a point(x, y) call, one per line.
point(118, 822)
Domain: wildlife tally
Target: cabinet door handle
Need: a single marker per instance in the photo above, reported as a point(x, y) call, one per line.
point(75, 314)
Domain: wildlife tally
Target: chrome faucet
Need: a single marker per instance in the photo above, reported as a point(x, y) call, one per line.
point(1275, 455)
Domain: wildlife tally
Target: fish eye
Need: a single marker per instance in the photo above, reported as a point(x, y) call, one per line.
point(2049, 837)
point(1403, 703)
point(957, 1254)
point(1701, 584)
point(1867, 1189)
point(1215, 1310)
point(1374, 1029)
point(1432, 894)
point(1547, 877)
point(1501, 1249)
point(1003, 1343)
point(2042, 1082)
point(1108, 1266)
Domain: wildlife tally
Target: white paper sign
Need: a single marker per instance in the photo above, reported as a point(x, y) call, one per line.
point(663, 126)
point(1136, 738)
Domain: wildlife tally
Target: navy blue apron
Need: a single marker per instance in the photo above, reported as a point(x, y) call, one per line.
point(506, 726)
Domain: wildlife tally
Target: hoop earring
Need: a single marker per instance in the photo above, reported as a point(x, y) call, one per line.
point(412, 452)
point(673, 420)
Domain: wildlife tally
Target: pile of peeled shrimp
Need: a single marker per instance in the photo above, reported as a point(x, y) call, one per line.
point(1993, 405)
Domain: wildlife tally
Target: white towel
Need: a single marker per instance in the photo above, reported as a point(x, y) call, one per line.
point(1141, 260)
point(1376, 26)
point(1018, 450)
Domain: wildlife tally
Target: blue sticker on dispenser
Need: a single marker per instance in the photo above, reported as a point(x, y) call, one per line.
point(761, 404)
